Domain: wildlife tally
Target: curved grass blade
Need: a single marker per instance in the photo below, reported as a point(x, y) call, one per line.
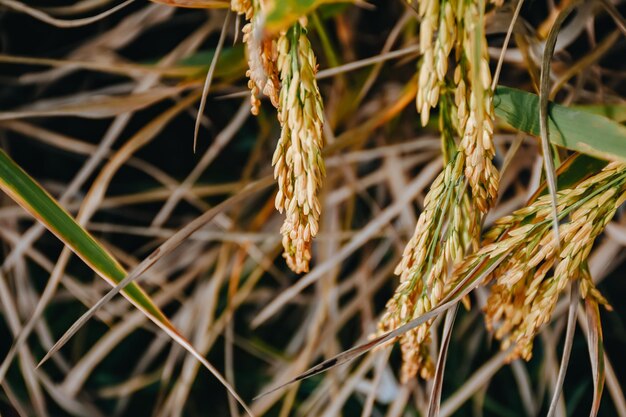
point(34, 199)
point(505, 45)
point(46, 18)
point(79, 7)
point(196, 4)
point(434, 404)
point(596, 352)
point(482, 269)
point(209, 79)
point(567, 346)
point(544, 95)
point(570, 128)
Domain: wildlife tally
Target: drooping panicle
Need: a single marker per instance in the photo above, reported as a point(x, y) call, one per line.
point(528, 283)
point(444, 230)
point(298, 162)
point(262, 56)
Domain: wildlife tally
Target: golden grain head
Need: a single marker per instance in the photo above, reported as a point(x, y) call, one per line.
point(525, 293)
point(298, 163)
point(262, 70)
point(533, 272)
point(427, 263)
point(474, 101)
point(243, 7)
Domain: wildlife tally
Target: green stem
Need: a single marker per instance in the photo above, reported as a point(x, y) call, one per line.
point(329, 51)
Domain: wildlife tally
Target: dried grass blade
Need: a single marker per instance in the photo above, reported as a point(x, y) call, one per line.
point(34, 199)
point(379, 369)
point(92, 106)
point(46, 18)
point(195, 4)
point(524, 386)
point(567, 347)
point(464, 287)
point(167, 247)
point(209, 79)
point(123, 69)
point(596, 352)
point(615, 14)
point(79, 7)
point(505, 45)
point(434, 404)
point(357, 241)
point(544, 96)
point(365, 62)
point(614, 387)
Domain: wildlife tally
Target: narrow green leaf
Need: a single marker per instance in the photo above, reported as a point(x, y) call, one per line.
point(41, 205)
point(570, 128)
point(26, 192)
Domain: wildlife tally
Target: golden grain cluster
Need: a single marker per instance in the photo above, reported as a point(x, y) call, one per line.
point(262, 55)
point(448, 228)
point(448, 26)
point(283, 69)
point(298, 163)
point(528, 283)
point(475, 111)
point(454, 77)
point(426, 264)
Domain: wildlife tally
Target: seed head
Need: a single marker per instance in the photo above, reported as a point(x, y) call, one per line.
point(530, 280)
point(444, 230)
point(262, 70)
point(298, 163)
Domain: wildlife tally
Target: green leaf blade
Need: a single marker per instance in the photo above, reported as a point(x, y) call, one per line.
point(34, 199)
point(41, 205)
point(570, 128)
